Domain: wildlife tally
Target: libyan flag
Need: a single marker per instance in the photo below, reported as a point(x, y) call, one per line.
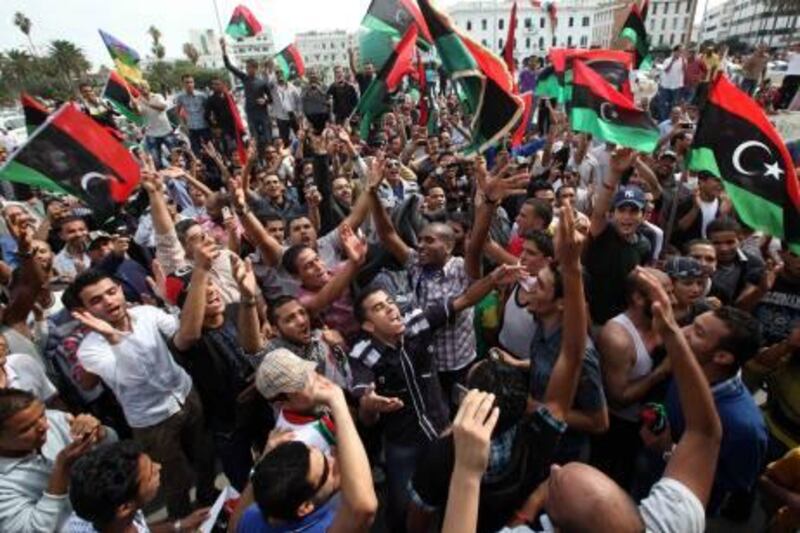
point(35, 112)
point(481, 78)
point(243, 24)
point(121, 95)
point(374, 101)
point(71, 153)
point(598, 108)
point(394, 17)
point(613, 66)
point(736, 142)
point(290, 61)
point(634, 31)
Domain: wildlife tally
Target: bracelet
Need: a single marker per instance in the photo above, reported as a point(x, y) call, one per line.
point(176, 526)
point(249, 301)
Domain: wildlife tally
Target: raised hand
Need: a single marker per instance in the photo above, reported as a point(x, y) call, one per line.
point(472, 431)
point(354, 248)
point(663, 318)
point(152, 182)
point(82, 425)
point(376, 174)
point(158, 281)
point(508, 274)
point(569, 240)
point(22, 228)
point(622, 159)
point(497, 187)
point(205, 254)
point(244, 276)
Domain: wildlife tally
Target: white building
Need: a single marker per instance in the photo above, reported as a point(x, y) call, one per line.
point(669, 22)
point(207, 44)
point(487, 23)
point(608, 18)
point(259, 47)
point(323, 50)
point(749, 21)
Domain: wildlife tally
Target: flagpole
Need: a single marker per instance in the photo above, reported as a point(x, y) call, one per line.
point(219, 21)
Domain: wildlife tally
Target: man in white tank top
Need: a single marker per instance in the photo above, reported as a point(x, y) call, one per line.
point(626, 343)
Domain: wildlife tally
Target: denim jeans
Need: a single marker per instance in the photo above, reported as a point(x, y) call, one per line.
point(155, 145)
point(401, 462)
point(197, 138)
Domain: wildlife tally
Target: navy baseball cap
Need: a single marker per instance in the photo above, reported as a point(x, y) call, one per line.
point(683, 268)
point(629, 196)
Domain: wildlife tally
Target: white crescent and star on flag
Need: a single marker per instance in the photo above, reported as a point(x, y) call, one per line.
point(770, 169)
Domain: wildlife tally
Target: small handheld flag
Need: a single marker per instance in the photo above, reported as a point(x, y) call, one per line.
point(291, 63)
point(120, 95)
point(243, 24)
point(35, 112)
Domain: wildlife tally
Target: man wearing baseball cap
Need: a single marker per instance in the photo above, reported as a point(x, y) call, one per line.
point(688, 284)
point(615, 246)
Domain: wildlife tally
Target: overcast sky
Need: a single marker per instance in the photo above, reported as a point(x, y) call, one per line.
point(128, 20)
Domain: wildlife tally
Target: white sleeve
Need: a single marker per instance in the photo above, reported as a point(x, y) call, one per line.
point(672, 508)
point(33, 374)
point(167, 324)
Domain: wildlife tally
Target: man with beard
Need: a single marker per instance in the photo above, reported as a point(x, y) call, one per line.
point(73, 259)
point(128, 350)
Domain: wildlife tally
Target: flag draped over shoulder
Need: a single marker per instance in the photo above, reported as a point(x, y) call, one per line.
point(126, 59)
point(35, 112)
point(120, 95)
point(290, 61)
point(374, 101)
point(71, 153)
point(243, 24)
point(481, 79)
point(736, 142)
point(598, 108)
point(634, 31)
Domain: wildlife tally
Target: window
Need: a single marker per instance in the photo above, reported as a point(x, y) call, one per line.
point(661, 39)
point(675, 23)
point(571, 22)
point(569, 41)
point(484, 24)
point(500, 44)
point(584, 42)
point(528, 23)
point(323, 46)
point(677, 7)
point(541, 43)
point(671, 39)
point(554, 40)
point(585, 23)
point(663, 24)
point(655, 9)
point(688, 7)
point(484, 43)
point(469, 25)
point(541, 22)
point(500, 24)
point(528, 43)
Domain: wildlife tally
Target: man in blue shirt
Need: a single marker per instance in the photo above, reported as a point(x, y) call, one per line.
point(192, 110)
point(723, 340)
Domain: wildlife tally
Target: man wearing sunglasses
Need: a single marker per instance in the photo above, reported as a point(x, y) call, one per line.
point(297, 487)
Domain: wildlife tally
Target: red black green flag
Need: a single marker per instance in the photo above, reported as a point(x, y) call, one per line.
point(634, 31)
point(374, 102)
point(482, 80)
point(120, 94)
point(394, 17)
point(613, 65)
point(35, 112)
point(522, 128)
point(736, 142)
point(598, 108)
point(508, 49)
point(243, 24)
point(71, 153)
point(290, 61)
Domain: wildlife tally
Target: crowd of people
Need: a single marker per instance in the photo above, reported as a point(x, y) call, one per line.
point(562, 335)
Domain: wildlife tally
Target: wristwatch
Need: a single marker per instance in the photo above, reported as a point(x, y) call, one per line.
point(176, 526)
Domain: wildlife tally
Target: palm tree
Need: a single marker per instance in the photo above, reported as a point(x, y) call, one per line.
point(191, 53)
point(24, 24)
point(157, 48)
point(20, 66)
point(69, 57)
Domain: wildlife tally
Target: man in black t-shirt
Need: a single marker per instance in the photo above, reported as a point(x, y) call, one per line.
point(218, 359)
point(343, 95)
point(615, 248)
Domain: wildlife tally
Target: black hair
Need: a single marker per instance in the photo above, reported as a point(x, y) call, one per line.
point(509, 386)
point(539, 185)
point(358, 305)
point(558, 281)
point(289, 260)
point(182, 228)
point(541, 208)
point(269, 216)
point(71, 218)
point(104, 479)
point(723, 224)
point(277, 303)
point(280, 481)
point(744, 334)
point(186, 77)
point(12, 401)
point(542, 240)
point(695, 242)
point(85, 279)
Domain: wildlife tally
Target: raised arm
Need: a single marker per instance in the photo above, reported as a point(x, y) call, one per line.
point(356, 252)
point(566, 372)
point(32, 277)
point(621, 161)
point(249, 325)
point(694, 460)
point(500, 276)
point(194, 308)
point(271, 250)
point(383, 225)
point(233, 70)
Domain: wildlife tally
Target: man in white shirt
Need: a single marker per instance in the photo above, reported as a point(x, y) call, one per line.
point(672, 82)
point(157, 128)
point(128, 350)
point(286, 106)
